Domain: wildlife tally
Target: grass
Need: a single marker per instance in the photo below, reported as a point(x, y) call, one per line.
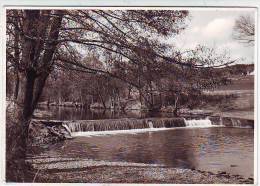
point(235, 100)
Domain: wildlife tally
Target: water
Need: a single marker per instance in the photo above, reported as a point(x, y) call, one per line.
point(87, 126)
point(198, 123)
point(209, 149)
point(72, 113)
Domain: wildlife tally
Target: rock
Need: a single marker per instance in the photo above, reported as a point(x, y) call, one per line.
point(96, 106)
point(227, 175)
point(39, 133)
point(42, 114)
point(222, 173)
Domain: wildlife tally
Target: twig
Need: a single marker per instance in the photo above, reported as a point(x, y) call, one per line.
point(38, 170)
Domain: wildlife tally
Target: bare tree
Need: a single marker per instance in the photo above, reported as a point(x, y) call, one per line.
point(244, 29)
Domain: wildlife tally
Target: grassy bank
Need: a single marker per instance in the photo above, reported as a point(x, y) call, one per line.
point(234, 100)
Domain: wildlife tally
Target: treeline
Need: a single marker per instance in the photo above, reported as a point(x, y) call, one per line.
point(151, 85)
point(240, 69)
point(169, 87)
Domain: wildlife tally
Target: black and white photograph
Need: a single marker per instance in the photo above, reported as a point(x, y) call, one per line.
point(151, 95)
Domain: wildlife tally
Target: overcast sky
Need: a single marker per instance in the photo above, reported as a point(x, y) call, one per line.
point(214, 28)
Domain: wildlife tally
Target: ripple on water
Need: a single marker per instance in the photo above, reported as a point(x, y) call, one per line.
point(211, 149)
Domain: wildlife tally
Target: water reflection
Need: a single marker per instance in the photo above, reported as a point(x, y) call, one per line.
point(73, 113)
point(210, 149)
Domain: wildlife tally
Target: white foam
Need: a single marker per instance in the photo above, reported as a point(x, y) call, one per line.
point(133, 131)
point(198, 123)
point(111, 132)
point(150, 124)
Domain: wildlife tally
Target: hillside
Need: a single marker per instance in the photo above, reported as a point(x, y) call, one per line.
point(239, 100)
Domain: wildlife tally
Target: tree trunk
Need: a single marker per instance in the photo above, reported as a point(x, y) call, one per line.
point(16, 60)
point(31, 85)
point(16, 168)
point(17, 84)
point(140, 96)
point(119, 102)
point(102, 101)
point(129, 92)
point(175, 111)
point(28, 96)
point(39, 85)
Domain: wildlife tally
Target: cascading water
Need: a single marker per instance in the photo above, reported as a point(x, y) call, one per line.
point(198, 123)
point(133, 125)
point(150, 124)
point(236, 123)
point(125, 124)
point(221, 121)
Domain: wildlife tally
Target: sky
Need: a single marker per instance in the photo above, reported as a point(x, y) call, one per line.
point(213, 28)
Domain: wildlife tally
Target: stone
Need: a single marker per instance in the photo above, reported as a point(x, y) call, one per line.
point(41, 133)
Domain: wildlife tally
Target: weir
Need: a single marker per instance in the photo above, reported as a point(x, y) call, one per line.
point(122, 124)
point(147, 124)
point(127, 124)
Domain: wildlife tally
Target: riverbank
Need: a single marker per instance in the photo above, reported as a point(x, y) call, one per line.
point(241, 105)
point(50, 170)
point(62, 168)
point(117, 172)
